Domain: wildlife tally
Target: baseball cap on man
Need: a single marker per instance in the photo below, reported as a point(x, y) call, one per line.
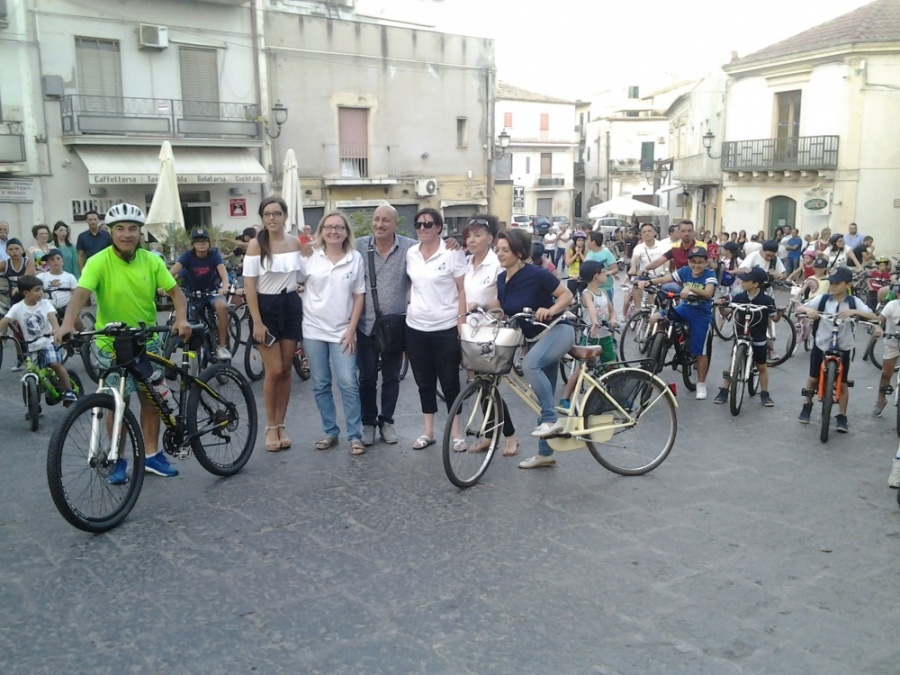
point(731, 246)
point(249, 232)
point(698, 252)
point(756, 274)
point(820, 262)
point(840, 274)
point(199, 233)
point(52, 252)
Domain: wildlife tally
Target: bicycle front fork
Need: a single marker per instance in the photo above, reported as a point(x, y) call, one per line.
point(97, 419)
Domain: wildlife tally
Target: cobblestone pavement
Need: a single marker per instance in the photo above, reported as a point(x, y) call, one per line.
point(753, 549)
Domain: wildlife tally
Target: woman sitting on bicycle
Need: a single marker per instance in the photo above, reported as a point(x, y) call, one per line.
point(204, 270)
point(519, 286)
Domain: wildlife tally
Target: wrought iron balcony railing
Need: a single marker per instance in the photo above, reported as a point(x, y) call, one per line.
point(781, 154)
point(551, 180)
point(158, 117)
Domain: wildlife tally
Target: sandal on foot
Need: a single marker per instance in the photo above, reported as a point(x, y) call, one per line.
point(422, 442)
point(327, 442)
point(273, 446)
point(480, 446)
point(512, 447)
point(357, 447)
point(283, 438)
point(459, 445)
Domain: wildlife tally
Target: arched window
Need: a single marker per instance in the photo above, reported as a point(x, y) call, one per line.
point(782, 212)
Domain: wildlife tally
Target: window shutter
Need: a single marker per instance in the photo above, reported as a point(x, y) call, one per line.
point(507, 120)
point(199, 81)
point(99, 72)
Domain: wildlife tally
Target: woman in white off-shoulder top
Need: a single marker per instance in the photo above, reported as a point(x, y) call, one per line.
point(276, 313)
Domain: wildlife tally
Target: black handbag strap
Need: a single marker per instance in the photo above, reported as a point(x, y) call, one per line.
point(372, 283)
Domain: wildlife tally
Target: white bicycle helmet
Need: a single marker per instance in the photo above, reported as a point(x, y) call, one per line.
point(124, 213)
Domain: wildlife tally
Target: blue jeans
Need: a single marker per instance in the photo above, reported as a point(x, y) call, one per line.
point(790, 264)
point(540, 367)
point(325, 358)
point(367, 360)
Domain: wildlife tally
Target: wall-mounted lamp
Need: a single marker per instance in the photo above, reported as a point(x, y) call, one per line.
point(503, 141)
point(280, 115)
point(708, 139)
point(308, 193)
point(663, 172)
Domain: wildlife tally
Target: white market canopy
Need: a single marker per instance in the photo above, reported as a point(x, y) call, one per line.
point(195, 166)
point(625, 206)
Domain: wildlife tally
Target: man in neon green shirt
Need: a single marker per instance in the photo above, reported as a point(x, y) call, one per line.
point(124, 278)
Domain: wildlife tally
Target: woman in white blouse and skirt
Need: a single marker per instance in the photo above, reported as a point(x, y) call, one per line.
point(276, 312)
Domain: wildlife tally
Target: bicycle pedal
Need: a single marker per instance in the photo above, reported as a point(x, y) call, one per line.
point(809, 393)
point(849, 383)
point(183, 454)
point(726, 374)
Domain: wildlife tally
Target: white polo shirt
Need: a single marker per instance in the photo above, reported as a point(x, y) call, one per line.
point(434, 298)
point(755, 259)
point(647, 254)
point(481, 281)
point(328, 293)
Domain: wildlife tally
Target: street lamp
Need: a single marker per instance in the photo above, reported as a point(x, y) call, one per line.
point(503, 140)
point(280, 115)
point(708, 139)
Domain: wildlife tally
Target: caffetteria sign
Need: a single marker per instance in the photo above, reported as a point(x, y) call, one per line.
point(815, 204)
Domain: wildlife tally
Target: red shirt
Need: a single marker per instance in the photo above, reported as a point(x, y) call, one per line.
point(878, 280)
point(679, 254)
point(808, 271)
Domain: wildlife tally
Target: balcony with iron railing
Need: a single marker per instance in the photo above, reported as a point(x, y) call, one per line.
point(360, 164)
point(12, 144)
point(90, 116)
point(798, 153)
point(579, 169)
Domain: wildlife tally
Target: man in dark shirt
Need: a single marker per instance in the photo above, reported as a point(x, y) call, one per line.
point(862, 251)
point(679, 254)
point(93, 241)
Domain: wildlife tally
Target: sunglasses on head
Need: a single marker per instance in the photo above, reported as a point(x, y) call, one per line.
point(419, 224)
point(479, 221)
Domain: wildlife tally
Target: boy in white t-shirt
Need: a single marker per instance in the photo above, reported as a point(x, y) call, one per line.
point(58, 285)
point(36, 318)
point(890, 317)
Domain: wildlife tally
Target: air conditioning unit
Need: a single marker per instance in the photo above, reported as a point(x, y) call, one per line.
point(426, 187)
point(153, 37)
point(661, 140)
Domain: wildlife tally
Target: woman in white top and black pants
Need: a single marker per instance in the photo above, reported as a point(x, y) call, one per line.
point(482, 269)
point(437, 306)
point(270, 288)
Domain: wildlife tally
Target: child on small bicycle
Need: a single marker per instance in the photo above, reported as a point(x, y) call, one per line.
point(36, 318)
point(204, 271)
point(58, 285)
point(599, 310)
point(837, 301)
point(698, 286)
point(752, 281)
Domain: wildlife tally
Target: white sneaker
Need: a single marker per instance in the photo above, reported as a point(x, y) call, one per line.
point(701, 391)
point(537, 462)
point(223, 354)
point(547, 429)
point(894, 478)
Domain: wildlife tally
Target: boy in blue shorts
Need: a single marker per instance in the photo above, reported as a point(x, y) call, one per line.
point(36, 318)
point(698, 287)
point(204, 271)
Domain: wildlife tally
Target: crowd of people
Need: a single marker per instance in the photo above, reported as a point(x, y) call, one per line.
point(365, 302)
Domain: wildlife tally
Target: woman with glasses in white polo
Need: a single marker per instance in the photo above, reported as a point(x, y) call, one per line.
point(437, 306)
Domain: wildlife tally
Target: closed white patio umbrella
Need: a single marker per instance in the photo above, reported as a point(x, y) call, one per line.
point(291, 193)
point(165, 212)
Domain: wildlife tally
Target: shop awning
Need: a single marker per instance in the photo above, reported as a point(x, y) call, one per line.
point(117, 165)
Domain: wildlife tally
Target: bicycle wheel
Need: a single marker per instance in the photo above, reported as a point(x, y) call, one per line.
point(79, 482)
point(2, 342)
point(781, 345)
point(231, 412)
point(253, 363)
point(753, 380)
point(32, 403)
point(404, 366)
point(738, 384)
point(633, 342)
point(876, 354)
point(481, 418)
point(234, 331)
point(723, 323)
point(89, 360)
point(301, 368)
point(647, 416)
point(828, 399)
point(897, 404)
point(657, 351)
point(77, 387)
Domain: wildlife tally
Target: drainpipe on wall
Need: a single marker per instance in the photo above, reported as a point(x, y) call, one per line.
point(489, 141)
point(258, 9)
